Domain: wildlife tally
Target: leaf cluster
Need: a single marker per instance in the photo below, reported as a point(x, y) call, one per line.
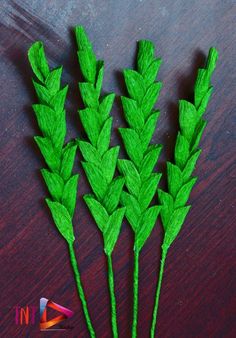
point(50, 114)
point(179, 174)
point(140, 180)
point(100, 159)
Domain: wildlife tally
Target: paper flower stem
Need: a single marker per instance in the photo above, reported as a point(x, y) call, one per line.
point(100, 159)
point(112, 297)
point(59, 157)
point(158, 291)
point(179, 173)
point(80, 290)
point(141, 180)
point(135, 293)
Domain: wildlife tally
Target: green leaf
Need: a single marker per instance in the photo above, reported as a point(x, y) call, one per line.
point(91, 123)
point(131, 175)
point(98, 212)
point(203, 78)
point(148, 130)
point(89, 152)
point(57, 102)
point(133, 211)
point(135, 84)
point(148, 189)
point(106, 105)
point(181, 151)
point(211, 60)
point(184, 192)
point(174, 226)
point(82, 38)
point(145, 57)
point(201, 86)
point(112, 230)
point(59, 133)
point(62, 220)
point(108, 163)
point(175, 179)
point(89, 94)
point(132, 145)
point(187, 119)
point(147, 223)
point(38, 61)
point(52, 125)
point(88, 66)
point(54, 183)
point(104, 137)
point(53, 80)
point(42, 92)
point(151, 72)
point(149, 161)
point(204, 102)
point(133, 113)
point(96, 179)
point(69, 194)
point(150, 98)
point(190, 165)
point(198, 134)
point(52, 158)
point(100, 74)
point(67, 162)
point(112, 197)
point(167, 207)
point(45, 118)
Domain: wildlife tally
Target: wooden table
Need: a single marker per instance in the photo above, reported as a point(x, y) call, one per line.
point(198, 295)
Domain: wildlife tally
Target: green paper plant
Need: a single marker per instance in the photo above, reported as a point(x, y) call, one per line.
point(100, 159)
point(131, 193)
point(179, 174)
point(140, 180)
point(61, 183)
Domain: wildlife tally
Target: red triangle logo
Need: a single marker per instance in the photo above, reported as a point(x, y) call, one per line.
point(46, 323)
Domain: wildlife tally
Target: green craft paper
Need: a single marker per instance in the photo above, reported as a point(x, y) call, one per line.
point(61, 183)
point(100, 159)
point(142, 118)
point(140, 181)
point(51, 120)
point(179, 174)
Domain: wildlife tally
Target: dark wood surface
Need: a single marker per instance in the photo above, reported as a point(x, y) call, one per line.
point(198, 295)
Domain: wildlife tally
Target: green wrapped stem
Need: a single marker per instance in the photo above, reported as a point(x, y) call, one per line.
point(158, 291)
point(112, 297)
point(80, 290)
point(135, 294)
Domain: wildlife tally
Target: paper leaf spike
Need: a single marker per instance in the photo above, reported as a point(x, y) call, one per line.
point(61, 183)
point(179, 174)
point(100, 159)
point(140, 180)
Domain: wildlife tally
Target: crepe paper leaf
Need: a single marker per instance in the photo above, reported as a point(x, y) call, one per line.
point(140, 181)
point(69, 194)
point(62, 220)
point(112, 230)
point(62, 185)
point(99, 159)
point(147, 223)
point(180, 181)
point(54, 182)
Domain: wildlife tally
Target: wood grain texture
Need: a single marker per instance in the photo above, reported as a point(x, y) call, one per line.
point(198, 295)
